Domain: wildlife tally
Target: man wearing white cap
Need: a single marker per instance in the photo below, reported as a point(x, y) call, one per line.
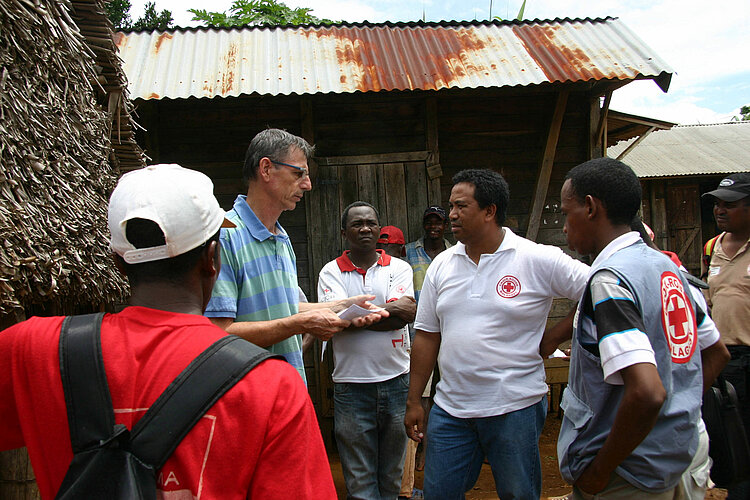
point(256, 296)
point(165, 222)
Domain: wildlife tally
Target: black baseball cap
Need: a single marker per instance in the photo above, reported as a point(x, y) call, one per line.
point(732, 188)
point(436, 210)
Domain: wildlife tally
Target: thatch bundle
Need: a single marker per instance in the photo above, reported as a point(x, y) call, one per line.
point(56, 167)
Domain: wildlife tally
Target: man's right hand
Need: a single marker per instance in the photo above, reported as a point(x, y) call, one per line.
point(414, 421)
point(321, 323)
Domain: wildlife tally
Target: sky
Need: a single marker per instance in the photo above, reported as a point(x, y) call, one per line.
point(706, 43)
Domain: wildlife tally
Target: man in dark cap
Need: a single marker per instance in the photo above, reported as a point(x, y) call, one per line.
point(728, 276)
point(421, 252)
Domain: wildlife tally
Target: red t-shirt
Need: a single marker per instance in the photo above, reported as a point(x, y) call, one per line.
point(260, 440)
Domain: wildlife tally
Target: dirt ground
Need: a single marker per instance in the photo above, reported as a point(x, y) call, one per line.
point(552, 484)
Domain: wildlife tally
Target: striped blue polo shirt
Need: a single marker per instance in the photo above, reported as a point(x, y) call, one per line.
point(258, 277)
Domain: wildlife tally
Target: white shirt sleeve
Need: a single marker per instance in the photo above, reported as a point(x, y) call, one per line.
point(708, 334)
point(331, 284)
point(620, 330)
point(427, 319)
point(403, 281)
point(569, 277)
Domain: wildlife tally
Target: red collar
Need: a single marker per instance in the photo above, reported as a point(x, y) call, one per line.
point(346, 265)
point(672, 256)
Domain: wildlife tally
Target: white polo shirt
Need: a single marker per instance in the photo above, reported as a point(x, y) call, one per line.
point(491, 318)
point(362, 356)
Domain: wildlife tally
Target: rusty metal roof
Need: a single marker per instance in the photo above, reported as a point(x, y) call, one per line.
point(344, 58)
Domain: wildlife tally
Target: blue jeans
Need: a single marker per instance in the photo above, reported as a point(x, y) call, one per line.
point(458, 446)
point(369, 427)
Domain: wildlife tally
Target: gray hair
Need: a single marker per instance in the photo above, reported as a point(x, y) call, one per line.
point(275, 144)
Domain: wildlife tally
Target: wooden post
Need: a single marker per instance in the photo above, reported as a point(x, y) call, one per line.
point(307, 126)
point(308, 133)
point(434, 172)
point(150, 113)
point(17, 480)
point(595, 142)
point(659, 215)
point(545, 170)
point(635, 143)
point(601, 129)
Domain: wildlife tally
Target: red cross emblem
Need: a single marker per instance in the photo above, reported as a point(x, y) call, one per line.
point(508, 287)
point(678, 319)
point(401, 289)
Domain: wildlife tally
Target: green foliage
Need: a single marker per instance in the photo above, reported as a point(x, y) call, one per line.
point(153, 20)
point(745, 112)
point(257, 13)
point(519, 17)
point(118, 11)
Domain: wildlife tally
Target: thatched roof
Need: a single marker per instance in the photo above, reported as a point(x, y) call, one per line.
point(111, 86)
point(57, 165)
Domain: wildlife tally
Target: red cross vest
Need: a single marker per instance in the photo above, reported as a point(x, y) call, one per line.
point(663, 298)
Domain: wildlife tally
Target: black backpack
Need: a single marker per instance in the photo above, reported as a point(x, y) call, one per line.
point(728, 446)
point(109, 460)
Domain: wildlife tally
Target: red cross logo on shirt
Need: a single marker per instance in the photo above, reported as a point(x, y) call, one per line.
point(508, 287)
point(678, 319)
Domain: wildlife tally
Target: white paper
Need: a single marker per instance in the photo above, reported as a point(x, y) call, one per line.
point(353, 312)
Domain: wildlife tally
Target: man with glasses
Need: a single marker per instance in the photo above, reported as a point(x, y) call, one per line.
point(256, 296)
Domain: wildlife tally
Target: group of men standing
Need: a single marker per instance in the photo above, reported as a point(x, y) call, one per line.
point(642, 349)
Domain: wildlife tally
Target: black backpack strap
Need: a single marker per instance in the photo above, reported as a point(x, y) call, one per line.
point(156, 435)
point(90, 416)
point(696, 282)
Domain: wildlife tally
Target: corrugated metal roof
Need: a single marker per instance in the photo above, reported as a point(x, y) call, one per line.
point(343, 58)
point(690, 150)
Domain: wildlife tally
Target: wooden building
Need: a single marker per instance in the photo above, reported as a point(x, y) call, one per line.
point(395, 110)
point(66, 132)
point(676, 166)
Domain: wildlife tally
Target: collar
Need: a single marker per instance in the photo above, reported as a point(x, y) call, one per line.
point(673, 257)
point(510, 242)
point(615, 245)
point(739, 251)
point(420, 243)
point(346, 265)
point(253, 223)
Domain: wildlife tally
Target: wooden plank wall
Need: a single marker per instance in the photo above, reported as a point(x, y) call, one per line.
point(665, 202)
point(211, 135)
point(508, 134)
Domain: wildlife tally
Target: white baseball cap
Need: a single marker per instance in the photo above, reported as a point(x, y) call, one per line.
point(179, 200)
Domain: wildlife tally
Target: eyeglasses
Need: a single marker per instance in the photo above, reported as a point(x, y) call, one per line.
point(302, 174)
